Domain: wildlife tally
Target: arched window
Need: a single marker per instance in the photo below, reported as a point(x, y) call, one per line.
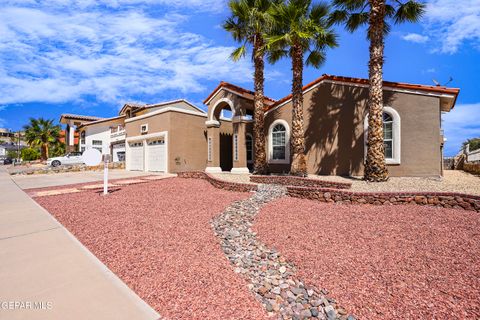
point(249, 147)
point(279, 137)
point(388, 135)
point(391, 135)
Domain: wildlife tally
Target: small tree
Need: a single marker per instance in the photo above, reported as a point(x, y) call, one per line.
point(41, 133)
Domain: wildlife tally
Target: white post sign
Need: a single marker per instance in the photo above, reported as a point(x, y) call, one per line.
point(106, 159)
point(93, 157)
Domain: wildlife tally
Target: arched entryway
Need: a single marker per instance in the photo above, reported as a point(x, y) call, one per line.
point(226, 133)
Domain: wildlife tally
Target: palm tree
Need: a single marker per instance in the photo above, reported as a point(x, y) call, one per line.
point(300, 28)
point(41, 133)
point(375, 13)
point(248, 23)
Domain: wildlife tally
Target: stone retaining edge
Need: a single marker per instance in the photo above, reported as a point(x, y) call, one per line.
point(217, 183)
point(299, 181)
point(439, 199)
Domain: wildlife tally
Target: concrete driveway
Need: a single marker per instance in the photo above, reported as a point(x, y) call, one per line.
point(65, 178)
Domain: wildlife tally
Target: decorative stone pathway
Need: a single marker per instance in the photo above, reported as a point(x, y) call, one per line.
point(271, 278)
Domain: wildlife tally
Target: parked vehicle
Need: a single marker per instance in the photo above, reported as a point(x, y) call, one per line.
point(69, 158)
point(7, 161)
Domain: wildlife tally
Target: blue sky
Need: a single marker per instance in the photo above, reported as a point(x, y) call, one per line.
point(91, 56)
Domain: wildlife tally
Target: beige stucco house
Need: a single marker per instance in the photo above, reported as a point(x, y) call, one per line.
point(168, 137)
point(336, 117)
point(176, 135)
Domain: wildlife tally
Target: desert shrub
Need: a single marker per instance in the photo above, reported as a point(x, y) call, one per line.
point(30, 154)
point(473, 168)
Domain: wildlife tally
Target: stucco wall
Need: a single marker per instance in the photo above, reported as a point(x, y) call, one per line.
point(100, 131)
point(334, 131)
point(187, 144)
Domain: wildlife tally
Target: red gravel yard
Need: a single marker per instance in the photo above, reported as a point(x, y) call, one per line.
point(157, 238)
point(379, 262)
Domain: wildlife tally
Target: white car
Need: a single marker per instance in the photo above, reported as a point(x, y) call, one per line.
point(69, 158)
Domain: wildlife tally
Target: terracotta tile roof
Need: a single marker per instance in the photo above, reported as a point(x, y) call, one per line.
point(133, 105)
point(396, 85)
point(101, 120)
point(79, 117)
point(165, 103)
point(242, 91)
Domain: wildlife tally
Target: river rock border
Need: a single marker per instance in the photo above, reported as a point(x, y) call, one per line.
point(270, 277)
point(217, 183)
point(299, 181)
point(438, 199)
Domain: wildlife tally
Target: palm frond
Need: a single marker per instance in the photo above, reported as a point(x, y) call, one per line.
point(274, 56)
point(337, 17)
point(356, 20)
point(239, 53)
point(410, 11)
point(350, 5)
point(316, 58)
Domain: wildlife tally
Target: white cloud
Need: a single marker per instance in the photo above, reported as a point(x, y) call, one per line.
point(204, 5)
point(60, 55)
point(460, 124)
point(453, 22)
point(415, 37)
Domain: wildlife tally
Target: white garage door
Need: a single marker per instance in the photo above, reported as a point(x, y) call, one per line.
point(136, 156)
point(156, 155)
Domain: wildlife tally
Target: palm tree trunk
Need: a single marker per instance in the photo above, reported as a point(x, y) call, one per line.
point(45, 151)
point(297, 140)
point(375, 167)
point(260, 162)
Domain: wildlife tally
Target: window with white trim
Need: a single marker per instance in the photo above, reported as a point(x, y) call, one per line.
point(249, 147)
point(209, 148)
point(235, 147)
point(388, 135)
point(391, 135)
point(97, 142)
point(279, 140)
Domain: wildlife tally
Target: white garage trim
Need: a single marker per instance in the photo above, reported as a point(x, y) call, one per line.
point(144, 138)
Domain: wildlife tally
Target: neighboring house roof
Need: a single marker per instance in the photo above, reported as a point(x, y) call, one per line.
point(101, 121)
point(132, 105)
point(167, 103)
point(387, 84)
point(248, 94)
point(69, 116)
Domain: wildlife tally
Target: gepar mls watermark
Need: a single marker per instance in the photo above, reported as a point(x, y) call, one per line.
point(26, 305)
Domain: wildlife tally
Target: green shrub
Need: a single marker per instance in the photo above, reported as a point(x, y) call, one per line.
point(12, 154)
point(30, 154)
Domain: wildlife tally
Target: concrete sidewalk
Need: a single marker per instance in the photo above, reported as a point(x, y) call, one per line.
point(66, 178)
point(42, 263)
